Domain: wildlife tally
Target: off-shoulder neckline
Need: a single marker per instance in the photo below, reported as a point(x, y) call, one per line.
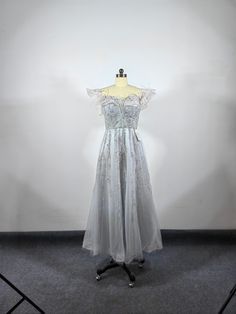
point(132, 95)
point(121, 98)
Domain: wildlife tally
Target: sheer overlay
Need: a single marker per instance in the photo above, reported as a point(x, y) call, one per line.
point(122, 220)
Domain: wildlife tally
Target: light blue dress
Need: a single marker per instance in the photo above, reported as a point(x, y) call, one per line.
point(122, 220)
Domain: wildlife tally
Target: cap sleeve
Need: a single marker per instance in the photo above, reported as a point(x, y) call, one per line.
point(98, 93)
point(146, 95)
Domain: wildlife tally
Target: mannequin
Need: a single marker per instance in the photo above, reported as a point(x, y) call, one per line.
point(121, 88)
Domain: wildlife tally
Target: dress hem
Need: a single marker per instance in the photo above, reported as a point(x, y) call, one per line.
point(130, 260)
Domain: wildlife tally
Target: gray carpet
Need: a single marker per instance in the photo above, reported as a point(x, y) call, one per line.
point(193, 273)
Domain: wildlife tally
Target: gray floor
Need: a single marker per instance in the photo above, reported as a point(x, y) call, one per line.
point(194, 273)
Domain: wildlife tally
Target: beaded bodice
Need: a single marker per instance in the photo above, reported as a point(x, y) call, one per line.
point(121, 113)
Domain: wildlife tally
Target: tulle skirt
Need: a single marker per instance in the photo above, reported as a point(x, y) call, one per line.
point(122, 220)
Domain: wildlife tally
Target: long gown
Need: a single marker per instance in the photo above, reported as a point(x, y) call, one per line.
point(122, 220)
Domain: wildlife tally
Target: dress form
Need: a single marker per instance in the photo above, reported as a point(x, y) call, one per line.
point(121, 88)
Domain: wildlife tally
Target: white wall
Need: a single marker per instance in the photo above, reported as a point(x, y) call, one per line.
point(50, 131)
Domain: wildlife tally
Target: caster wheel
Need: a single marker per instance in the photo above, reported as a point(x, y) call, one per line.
point(131, 284)
point(98, 277)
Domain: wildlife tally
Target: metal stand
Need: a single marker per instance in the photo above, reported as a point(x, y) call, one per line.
point(113, 264)
point(232, 292)
point(25, 298)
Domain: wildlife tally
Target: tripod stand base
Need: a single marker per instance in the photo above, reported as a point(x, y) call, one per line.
point(232, 292)
point(24, 297)
point(113, 264)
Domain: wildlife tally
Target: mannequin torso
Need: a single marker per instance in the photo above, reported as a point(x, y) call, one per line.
point(121, 89)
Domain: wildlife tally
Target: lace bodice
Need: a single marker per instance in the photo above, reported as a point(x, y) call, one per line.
point(121, 112)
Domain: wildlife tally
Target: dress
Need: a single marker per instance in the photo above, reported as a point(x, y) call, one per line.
point(122, 220)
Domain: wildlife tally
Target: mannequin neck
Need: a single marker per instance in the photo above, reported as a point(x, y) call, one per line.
point(121, 81)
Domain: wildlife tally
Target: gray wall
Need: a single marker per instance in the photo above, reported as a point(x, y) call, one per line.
point(50, 131)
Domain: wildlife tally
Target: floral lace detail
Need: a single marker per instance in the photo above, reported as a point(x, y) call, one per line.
point(102, 99)
point(146, 96)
